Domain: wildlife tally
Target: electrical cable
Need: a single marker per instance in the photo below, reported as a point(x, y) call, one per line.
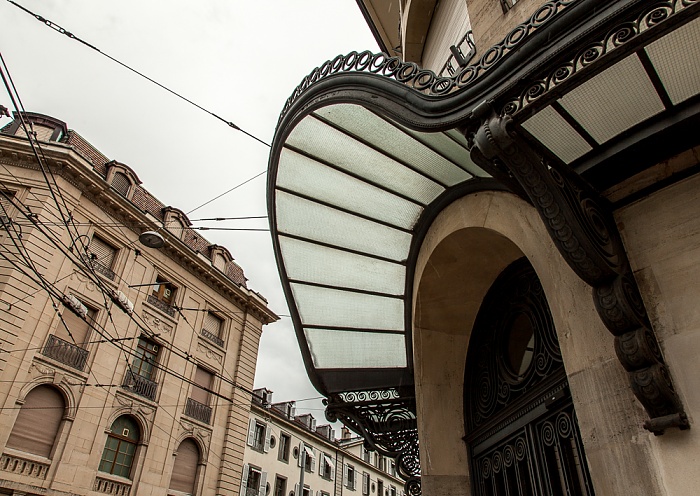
point(70, 35)
point(225, 192)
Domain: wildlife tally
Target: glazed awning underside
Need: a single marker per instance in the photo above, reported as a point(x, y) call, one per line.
point(349, 191)
point(350, 184)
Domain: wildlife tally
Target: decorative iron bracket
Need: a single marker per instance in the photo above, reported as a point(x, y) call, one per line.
point(583, 228)
point(387, 421)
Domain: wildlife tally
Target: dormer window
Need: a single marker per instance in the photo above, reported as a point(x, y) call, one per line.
point(122, 179)
point(220, 257)
point(175, 221)
point(42, 127)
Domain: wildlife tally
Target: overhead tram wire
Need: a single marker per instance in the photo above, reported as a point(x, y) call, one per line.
point(70, 35)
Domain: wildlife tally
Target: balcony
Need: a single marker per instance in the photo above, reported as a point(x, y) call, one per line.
point(65, 352)
point(213, 338)
point(23, 466)
point(103, 269)
point(140, 385)
point(198, 411)
point(104, 484)
point(251, 491)
point(161, 305)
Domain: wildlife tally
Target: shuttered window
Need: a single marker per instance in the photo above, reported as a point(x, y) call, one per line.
point(120, 448)
point(6, 206)
point(213, 324)
point(102, 252)
point(79, 328)
point(121, 183)
point(185, 467)
point(38, 422)
point(202, 379)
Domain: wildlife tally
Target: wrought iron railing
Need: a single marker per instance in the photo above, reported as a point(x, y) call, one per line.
point(22, 466)
point(161, 305)
point(213, 338)
point(103, 269)
point(198, 411)
point(65, 352)
point(115, 488)
point(140, 385)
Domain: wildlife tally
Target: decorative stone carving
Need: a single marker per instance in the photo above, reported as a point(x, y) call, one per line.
point(155, 323)
point(583, 229)
point(209, 353)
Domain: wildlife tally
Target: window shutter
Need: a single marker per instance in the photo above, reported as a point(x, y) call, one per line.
point(121, 183)
point(78, 327)
point(38, 422)
point(263, 484)
point(333, 471)
point(345, 474)
point(321, 463)
point(296, 490)
point(104, 253)
point(251, 432)
point(212, 323)
point(185, 467)
point(244, 479)
point(313, 460)
point(365, 483)
point(268, 433)
point(354, 479)
point(301, 453)
point(202, 379)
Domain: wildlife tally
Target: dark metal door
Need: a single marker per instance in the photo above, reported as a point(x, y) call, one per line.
point(520, 421)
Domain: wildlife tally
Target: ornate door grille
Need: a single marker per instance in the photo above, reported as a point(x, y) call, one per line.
point(520, 421)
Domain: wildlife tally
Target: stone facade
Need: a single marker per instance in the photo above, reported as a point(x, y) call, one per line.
point(144, 356)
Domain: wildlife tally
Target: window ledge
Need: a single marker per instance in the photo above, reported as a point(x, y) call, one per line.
point(15, 453)
point(167, 317)
point(66, 369)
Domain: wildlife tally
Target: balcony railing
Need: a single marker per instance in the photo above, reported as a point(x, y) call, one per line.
point(213, 338)
point(22, 466)
point(198, 411)
point(140, 385)
point(103, 269)
point(106, 486)
point(251, 491)
point(161, 305)
point(65, 352)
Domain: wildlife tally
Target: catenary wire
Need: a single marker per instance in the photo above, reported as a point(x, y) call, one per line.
point(70, 35)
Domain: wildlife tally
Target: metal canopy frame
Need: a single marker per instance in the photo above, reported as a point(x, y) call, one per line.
point(547, 74)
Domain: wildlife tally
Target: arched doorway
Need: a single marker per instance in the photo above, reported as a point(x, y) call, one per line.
point(521, 426)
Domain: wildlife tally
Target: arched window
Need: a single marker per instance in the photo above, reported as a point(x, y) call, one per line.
point(121, 183)
point(120, 449)
point(185, 468)
point(38, 422)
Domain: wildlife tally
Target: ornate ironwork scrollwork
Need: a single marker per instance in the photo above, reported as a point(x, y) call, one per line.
point(386, 420)
point(584, 231)
point(423, 80)
point(639, 21)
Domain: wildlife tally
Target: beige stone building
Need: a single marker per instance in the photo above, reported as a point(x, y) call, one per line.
point(125, 367)
point(281, 445)
point(499, 217)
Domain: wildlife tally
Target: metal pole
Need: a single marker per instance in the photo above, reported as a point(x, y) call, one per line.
point(302, 453)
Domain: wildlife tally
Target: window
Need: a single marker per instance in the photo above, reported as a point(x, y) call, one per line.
point(38, 422)
point(326, 467)
point(120, 448)
point(365, 483)
point(163, 296)
point(349, 477)
point(213, 326)
point(198, 403)
point(392, 467)
point(66, 345)
point(392, 491)
point(283, 453)
point(380, 487)
point(7, 208)
point(365, 454)
point(184, 474)
point(121, 183)
point(140, 376)
point(254, 481)
point(102, 257)
point(508, 4)
point(307, 456)
point(280, 486)
point(259, 435)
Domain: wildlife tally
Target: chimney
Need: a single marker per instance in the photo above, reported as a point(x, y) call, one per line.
point(345, 433)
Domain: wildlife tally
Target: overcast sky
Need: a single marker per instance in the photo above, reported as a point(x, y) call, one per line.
point(239, 59)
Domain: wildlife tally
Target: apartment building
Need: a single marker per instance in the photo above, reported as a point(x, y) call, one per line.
point(283, 447)
point(128, 342)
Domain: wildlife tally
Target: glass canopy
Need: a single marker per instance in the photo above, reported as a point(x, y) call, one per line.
point(349, 191)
